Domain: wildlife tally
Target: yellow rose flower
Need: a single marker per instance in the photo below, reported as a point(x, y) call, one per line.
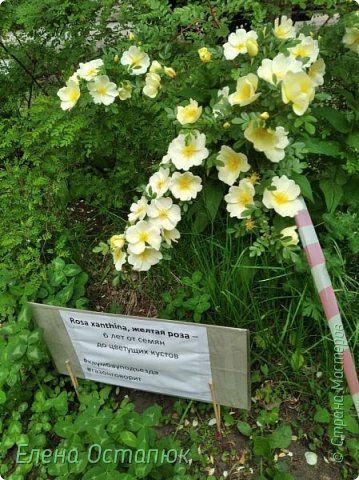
point(271, 142)
point(317, 71)
point(284, 199)
point(205, 55)
point(284, 28)
point(298, 89)
point(241, 42)
point(117, 241)
point(246, 91)
point(351, 39)
point(190, 113)
point(125, 90)
point(69, 95)
point(307, 48)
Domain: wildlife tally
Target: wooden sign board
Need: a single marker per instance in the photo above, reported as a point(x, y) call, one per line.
point(162, 356)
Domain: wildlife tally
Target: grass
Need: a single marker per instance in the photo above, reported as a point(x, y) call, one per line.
point(277, 303)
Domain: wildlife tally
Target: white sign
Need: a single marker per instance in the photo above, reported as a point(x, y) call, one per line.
point(163, 356)
point(155, 356)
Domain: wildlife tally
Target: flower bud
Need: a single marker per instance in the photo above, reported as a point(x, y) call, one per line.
point(252, 47)
point(155, 67)
point(170, 72)
point(292, 233)
point(125, 91)
point(204, 55)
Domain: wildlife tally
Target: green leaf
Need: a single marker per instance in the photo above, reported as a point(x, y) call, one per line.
point(25, 315)
point(297, 360)
point(56, 277)
point(72, 269)
point(65, 428)
point(353, 140)
point(2, 397)
point(310, 128)
point(322, 415)
point(353, 446)
point(351, 424)
point(143, 438)
point(7, 300)
point(304, 185)
point(82, 278)
point(34, 337)
point(152, 416)
point(134, 421)
point(244, 428)
point(78, 293)
point(196, 277)
point(34, 354)
point(15, 428)
point(16, 350)
point(201, 221)
point(58, 469)
point(322, 147)
point(129, 439)
point(212, 195)
point(142, 470)
point(332, 193)
point(58, 263)
point(65, 295)
point(102, 247)
point(336, 118)
point(281, 437)
point(262, 447)
point(22, 439)
point(42, 293)
point(81, 464)
point(9, 329)
point(60, 403)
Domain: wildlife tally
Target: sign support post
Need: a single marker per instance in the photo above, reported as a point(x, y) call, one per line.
point(216, 408)
point(73, 377)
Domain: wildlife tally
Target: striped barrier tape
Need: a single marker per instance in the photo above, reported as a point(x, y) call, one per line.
point(323, 284)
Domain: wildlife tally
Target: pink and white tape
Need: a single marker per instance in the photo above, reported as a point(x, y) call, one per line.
point(328, 300)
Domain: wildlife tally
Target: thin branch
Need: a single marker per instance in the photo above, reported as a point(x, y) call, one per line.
point(30, 97)
point(24, 67)
point(183, 30)
point(213, 14)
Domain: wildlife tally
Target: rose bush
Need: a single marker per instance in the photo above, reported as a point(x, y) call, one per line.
point(242, 132)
